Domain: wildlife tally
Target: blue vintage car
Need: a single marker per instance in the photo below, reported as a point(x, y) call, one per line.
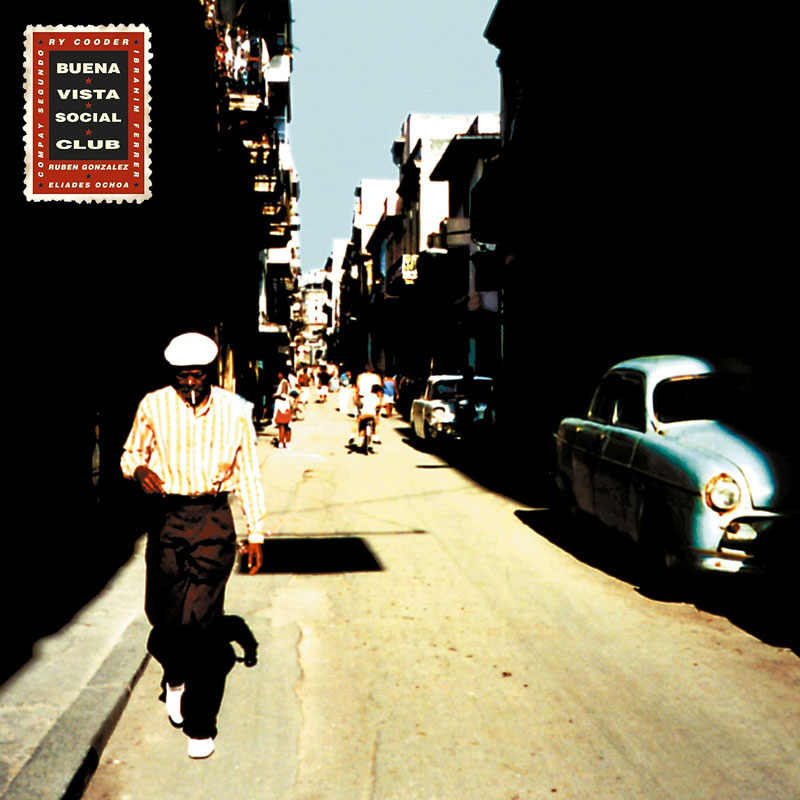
point(683, 456)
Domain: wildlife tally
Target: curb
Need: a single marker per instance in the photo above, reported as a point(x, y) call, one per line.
point(67, 757)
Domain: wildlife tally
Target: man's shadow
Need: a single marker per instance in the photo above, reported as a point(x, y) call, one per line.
point(209, 657)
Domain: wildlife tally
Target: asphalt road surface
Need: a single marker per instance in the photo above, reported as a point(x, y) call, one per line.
point(424, 638)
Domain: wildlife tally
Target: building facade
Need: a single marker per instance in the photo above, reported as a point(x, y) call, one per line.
point(254, 62)
point(475, 329)
point(408, 286)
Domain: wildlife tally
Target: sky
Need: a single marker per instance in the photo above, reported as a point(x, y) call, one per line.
point(360, 68)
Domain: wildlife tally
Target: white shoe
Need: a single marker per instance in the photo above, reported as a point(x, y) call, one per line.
point(200, 748)
point(174, 697)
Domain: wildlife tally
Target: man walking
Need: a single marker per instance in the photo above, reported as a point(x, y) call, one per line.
point(192, 444)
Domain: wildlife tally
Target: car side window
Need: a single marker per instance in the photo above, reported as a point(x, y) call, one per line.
point(629, 407)
point(604, 400)
point(619, 400)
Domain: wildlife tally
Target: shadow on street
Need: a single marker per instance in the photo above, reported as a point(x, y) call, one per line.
point(766, 609)
point(497, 464)
point(54, 575)
point(312, 556)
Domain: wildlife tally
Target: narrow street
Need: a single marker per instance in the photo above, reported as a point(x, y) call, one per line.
point(420, 640)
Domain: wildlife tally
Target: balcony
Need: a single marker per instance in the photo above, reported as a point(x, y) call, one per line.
point(268, 185)
point(237, 101)
point(457, 232)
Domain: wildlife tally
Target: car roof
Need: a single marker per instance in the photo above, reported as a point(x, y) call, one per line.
point(434, 378)
point(658, 368)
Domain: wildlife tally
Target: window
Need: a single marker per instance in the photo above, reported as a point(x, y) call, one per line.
point(443, 390)
point(619, 400)
point(731, 398)
point(603, 401)
point(629, 412)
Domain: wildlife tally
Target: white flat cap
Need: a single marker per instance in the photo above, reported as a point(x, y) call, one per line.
point(191, 349)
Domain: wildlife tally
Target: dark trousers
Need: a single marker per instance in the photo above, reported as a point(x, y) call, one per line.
point(191, 550)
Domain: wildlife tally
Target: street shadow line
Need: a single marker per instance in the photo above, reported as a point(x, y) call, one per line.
point(315, 556)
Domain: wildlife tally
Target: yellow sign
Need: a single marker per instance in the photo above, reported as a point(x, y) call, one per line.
point(410, 268)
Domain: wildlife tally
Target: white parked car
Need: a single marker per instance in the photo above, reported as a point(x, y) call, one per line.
point(452, 407)
point(690, 461)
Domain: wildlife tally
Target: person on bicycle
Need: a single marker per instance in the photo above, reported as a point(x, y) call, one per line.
point(367, 383)
point(369, 411)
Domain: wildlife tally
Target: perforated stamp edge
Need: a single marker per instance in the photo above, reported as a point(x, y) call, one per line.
point(97, 179)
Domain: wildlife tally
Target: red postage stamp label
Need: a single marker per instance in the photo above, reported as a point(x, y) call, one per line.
point(87, 113)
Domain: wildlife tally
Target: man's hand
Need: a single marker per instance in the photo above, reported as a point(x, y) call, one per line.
point(255, 557)
point(149, 480)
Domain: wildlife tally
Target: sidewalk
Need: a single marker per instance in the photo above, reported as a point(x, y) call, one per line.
point(58, 710)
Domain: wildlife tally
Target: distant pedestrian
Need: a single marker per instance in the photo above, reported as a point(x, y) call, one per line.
point(283, 386)
point(334, 371)
point(323, 383)
point(190, 445)
point(345, 392)
point(389, 394)
point(304, 386)
point(294, 394)
point(283, 419)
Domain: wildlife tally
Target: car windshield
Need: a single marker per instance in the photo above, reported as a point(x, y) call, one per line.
point(731, 398)
point(479, 390)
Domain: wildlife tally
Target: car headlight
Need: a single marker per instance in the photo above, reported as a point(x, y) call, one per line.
point(438, 414)
point(723, 493)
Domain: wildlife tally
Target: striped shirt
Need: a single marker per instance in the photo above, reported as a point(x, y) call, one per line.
point(206, 450)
